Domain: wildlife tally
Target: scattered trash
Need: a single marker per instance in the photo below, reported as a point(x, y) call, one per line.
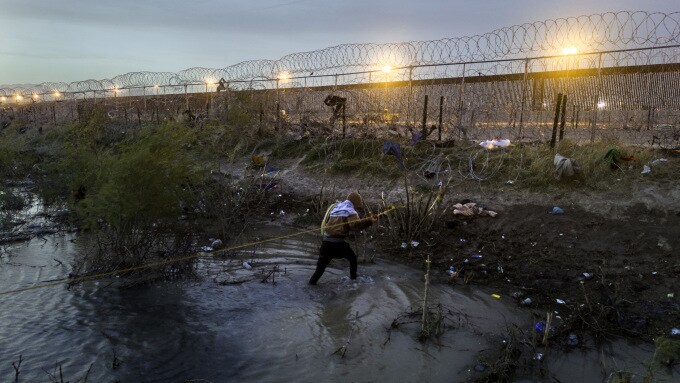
point(510, 182)
point(538, 356)
point(471, 209)
point(259, 159)
point(416, 136)
point(405, 245)
point(670, 295)
point(541, 327)
point(282, 213)
point(614, 158)
point(451, 270)
point(493, 144)
point(527, 302)
point(646, 169)
point(476, 256)
point(246, 265)
point(572, 340)
point(556, 210)
point(393, 148)
point(658, 161)
point(466, 260)
point(270, 170)
point(565, 167)
point(675, 331)
point(496, 296)
point(655, 273)
point(206, 248)
point(587, 276)
point(217, 244)
point(560, 302)
point(517, 294)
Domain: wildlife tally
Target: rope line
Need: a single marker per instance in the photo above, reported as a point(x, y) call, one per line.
point(170, 261)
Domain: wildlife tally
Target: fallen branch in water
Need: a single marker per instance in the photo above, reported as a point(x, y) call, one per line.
point(17, 369)
point(272, 273)
point(342, 350)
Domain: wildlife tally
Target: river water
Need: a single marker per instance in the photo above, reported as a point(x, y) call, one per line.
point(228, 326)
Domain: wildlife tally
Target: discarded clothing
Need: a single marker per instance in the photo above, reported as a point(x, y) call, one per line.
point(393, 148)
point(493, 144)
point(614, 158)
point(565, 167)
point(471, 209)
point(415, 137)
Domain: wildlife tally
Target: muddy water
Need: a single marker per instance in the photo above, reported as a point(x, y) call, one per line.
point(229, 326)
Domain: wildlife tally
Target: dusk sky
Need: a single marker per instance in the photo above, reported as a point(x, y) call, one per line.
point(70, 40)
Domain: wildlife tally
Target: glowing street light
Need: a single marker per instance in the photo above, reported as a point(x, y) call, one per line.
point(155, 86)
point(56, 93)
point(209, 83)
point(386, 69)
point(35, 96)
point(601, 104)
point(569, 51)
point(3, 99)
point(19, 97)
point(283, 76)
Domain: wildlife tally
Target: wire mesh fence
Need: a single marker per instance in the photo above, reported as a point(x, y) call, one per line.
point(612, 75)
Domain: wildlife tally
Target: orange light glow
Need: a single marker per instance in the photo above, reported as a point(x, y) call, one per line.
point(569, 51)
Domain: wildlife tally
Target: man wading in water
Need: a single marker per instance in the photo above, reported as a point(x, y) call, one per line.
point(342, 219)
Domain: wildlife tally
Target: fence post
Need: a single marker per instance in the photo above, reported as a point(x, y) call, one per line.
point(558, 107)
point(441, 110)
point(226, 102)
point(424, 124)
point(278, 106)
point(261, 114)
point(461, 95)
point(564, 116)
point(144, 97)
point(524, 99)
point(410, 95)
point(597, 98)
point(186, 96)
point(278, 115)
point(344, 121)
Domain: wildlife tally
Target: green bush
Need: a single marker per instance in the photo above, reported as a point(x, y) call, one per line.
point(146, 179)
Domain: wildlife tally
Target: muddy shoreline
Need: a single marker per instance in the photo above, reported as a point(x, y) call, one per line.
point(609, 257)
